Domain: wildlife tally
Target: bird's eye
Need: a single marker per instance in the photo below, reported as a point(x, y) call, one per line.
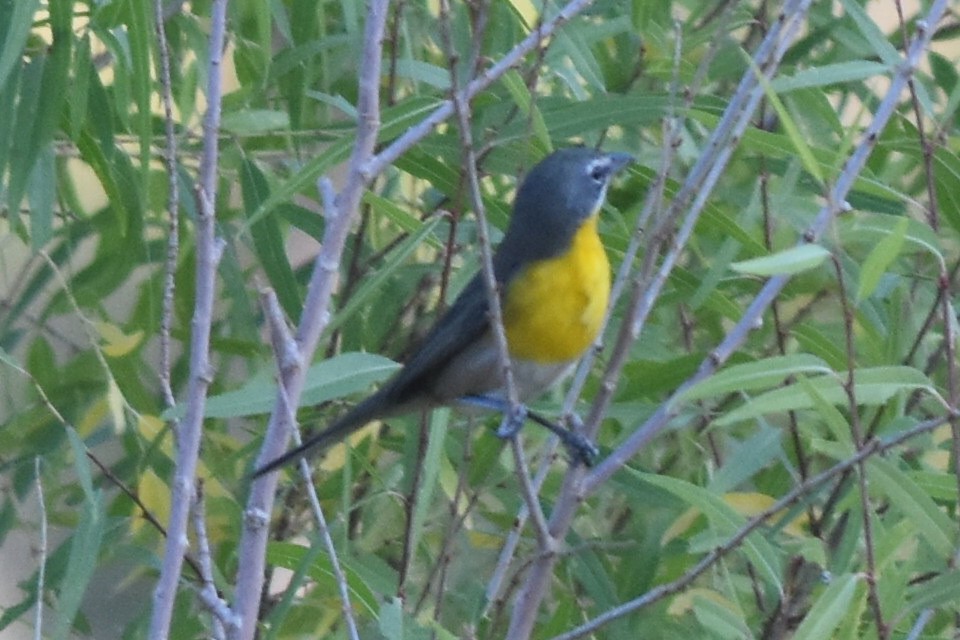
point(598, 174)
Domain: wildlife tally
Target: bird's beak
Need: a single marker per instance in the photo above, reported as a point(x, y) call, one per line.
point(618, 161)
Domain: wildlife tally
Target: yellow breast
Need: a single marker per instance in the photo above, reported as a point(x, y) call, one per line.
point(553, 309)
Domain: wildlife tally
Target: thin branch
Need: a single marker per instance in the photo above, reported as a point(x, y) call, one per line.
point(173, 207)
point(211, 599)
point(495, 312)
point(42, 570)
point(446, 109)
point(285, 348)
point(104, 469)
point(694, 193)
point(873, 447)
point(208, 251)
point(339, 210)
point(495, 584)
point(836, 203)
point(856, 430)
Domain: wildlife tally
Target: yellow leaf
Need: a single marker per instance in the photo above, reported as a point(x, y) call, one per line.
point(116, 342)
point(749, 504)
point(680, 525)
point(481, 540)
point(92, 417)
point(335, 457)
point(150, 427)
point(115, 403)
point(938, 459)
point(527, 11)
point(155, 495)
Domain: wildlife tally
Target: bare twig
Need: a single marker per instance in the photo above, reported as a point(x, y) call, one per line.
point(218, 608)
point(856, 430)
point(173, 206)
point(339, 210)
point(495, 584)
point(42, 569)
point(461, 108)
point(208, 255)
point(286, 351)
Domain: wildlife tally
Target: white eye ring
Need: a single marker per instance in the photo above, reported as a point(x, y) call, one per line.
point(598, 171)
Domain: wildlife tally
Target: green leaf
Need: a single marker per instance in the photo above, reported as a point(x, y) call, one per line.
point(78, 94)
point(84, 555)
point(829, 610)
point(872, 387)
point(521, 95)
point(117, 177)
point(373, 284)
point(268, 240)
point(399, 216)
point(328, 379)
point(872, 228)
point(81, 464)
point(429, 474)
point(290, 556)
point(721, 621)
point(829, 74)
point(929, 521)
point(761, 374)
point(337, 101)
point(881, 257)
point(786, 121)
point(764, 556)
point(141, 37)
point(250, 122)
point(41, 191)
point(84, 546)
point(18, 18)
point(749, 457)
point(872, 35)
point(793, 260)
point(396, 120)
point(828, 412)
point(942, 590)
point(424, 72)
point(390, 620)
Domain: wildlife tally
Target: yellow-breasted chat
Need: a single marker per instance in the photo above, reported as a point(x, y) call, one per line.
point(553, 278)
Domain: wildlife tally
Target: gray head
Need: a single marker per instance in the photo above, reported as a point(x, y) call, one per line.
point(566, 188)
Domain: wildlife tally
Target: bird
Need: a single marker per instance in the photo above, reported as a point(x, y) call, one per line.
point(553, 282)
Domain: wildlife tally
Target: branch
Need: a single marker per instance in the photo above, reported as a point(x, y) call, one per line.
point(42, 552)
point(873, 447)
point(836, 202)
point(446, 109)
point(339, 211)
point(693, 194)
point(208, 255)
point(173, 207)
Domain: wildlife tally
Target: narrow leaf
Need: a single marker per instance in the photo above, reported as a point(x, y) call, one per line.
point(880, 257)
point(930, 522)
point(790, 261)
point(829, 609)
point(872, 387)
point(755, 375)
point(328, 379)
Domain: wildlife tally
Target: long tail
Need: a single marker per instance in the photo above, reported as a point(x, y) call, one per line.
point(376, 406)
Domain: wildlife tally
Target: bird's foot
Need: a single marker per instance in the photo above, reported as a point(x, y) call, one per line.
point(579, 448)
point(513, 419)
